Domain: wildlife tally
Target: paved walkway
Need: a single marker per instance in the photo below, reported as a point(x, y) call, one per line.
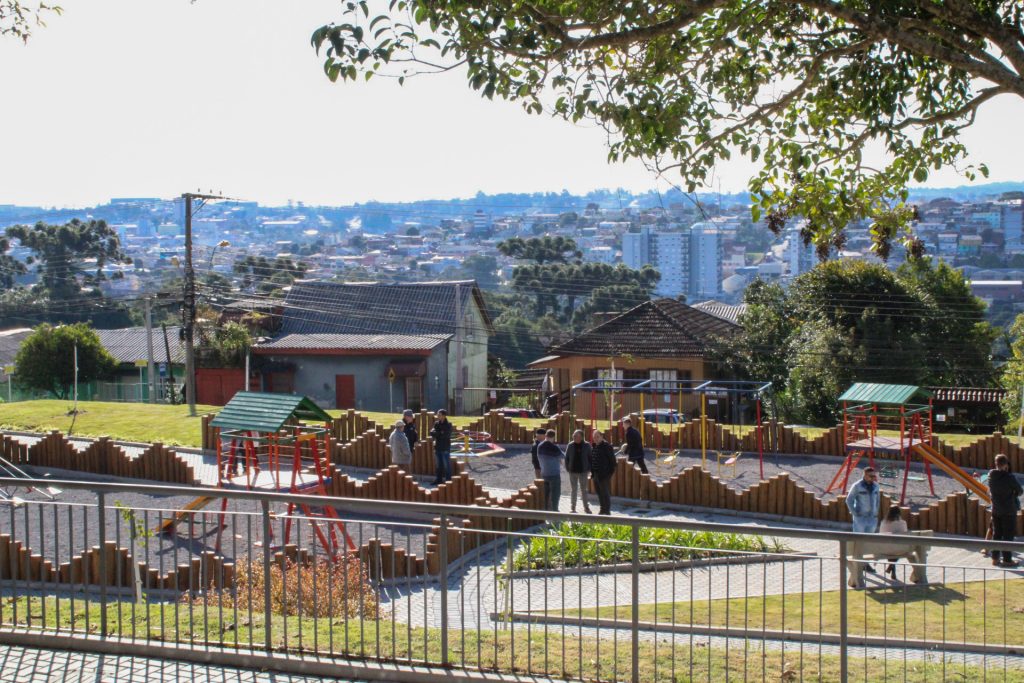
point(29, 665)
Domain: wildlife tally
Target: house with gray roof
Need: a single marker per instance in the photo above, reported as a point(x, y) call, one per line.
point(379, 347)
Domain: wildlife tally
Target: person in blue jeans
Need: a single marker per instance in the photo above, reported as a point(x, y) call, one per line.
point(551, 457)
point(863, 501)
point(442, 434)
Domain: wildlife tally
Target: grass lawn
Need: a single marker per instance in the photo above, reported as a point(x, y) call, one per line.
point(542, 651)
point(926, 612)
point(170, 425)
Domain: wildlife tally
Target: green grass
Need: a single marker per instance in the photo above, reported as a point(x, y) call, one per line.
point(170, 425)
point(567, 655)
point(972, 611)
point(590, 545)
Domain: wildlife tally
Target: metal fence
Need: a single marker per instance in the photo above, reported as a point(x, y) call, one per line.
point(263, 583)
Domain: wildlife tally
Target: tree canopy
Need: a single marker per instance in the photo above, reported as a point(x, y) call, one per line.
point(46, 359)
point(802, 88)
point(850, 321)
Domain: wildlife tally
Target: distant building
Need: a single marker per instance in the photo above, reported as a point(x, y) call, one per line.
point(668, 252)
point(1012, 224)
point(705, 261)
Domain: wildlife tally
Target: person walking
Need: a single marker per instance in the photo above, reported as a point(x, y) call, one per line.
point(401, 454)
point(442, 435)
point(633, 446)
point(577, 464)
point(409, 418)
point(1005, 491)
point(602, 467)
point(893, 524)
point(863, 501)
point(538, 437)
point(550, 457)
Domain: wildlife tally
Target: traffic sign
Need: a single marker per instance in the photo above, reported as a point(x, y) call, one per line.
point(141, 363)
point(8, 369)
point(391, 375)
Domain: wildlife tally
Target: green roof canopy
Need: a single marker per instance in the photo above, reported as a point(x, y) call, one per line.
point(262, 412)
point(882, 394)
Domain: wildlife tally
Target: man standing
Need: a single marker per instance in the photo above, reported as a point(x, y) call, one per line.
point(633, 447)
point(442, 433)
point(1005, 492)
point(863, 501)
point(538, 438)
point(409, 418)
point(602, 467)
point(550, 457)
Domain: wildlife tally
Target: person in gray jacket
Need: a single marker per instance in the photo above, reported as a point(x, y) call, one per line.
point(550, 457)
point(401, 453)
point(577, 464)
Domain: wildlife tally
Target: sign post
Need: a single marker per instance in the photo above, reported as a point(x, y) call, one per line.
point(9, 371)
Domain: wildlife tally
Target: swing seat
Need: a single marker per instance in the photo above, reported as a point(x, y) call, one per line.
point(728, 460)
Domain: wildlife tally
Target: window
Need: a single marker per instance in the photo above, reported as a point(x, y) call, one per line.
point(664, 380)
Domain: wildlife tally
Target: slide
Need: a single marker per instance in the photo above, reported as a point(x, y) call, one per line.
point(167, 526)
point(929, 454)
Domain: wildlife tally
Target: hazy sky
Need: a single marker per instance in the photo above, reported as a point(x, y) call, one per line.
point(129, 98)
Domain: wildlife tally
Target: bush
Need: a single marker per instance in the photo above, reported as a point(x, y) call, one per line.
point(342, 589)
point(592, 545)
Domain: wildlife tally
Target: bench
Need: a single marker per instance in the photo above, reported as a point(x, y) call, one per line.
point(862, 551)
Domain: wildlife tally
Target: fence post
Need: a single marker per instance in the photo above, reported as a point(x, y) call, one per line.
point(634, 618)
point(101, 504)
point(442, 548)
point(267, 613)
point(843, 615)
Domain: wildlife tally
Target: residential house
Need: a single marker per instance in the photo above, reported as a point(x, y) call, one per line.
point(661, 340)
point(373, 346)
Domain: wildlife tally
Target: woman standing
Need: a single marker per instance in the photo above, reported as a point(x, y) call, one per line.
point(401, 453)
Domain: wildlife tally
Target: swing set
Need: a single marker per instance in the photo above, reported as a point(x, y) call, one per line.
point(696, 396)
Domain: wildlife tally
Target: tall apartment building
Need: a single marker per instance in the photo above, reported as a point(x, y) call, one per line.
point(705, 261)
point(668, 252)
point(799, 258)
point(1012, 224)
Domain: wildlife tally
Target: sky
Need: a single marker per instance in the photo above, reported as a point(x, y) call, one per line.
point(121, 98)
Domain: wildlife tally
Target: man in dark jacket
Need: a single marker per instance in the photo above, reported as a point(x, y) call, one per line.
point(551, 457)
point(1005, 491)
point(633, 447)
point(602, 467)
point(409, 418)
point(538, 436)
point(442, 434)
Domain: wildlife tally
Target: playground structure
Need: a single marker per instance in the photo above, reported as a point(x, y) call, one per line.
point(280, 443)
point(680, 395)
point(470, 444)
point(11, 471)
point(868, 410)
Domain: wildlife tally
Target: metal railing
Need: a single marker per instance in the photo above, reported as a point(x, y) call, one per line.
point(509, 591)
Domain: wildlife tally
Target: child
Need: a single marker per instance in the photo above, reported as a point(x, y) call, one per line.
point(893, 524)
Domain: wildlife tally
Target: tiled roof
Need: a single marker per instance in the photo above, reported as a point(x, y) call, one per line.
point(730, 312)
point(967, 394)
point(355, 342)
point(373, 308)
point(663, 328)
point(128, 345)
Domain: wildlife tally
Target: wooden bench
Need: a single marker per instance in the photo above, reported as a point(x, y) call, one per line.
point(882, 550)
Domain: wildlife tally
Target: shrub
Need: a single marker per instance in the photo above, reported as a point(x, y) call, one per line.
point(590, 545)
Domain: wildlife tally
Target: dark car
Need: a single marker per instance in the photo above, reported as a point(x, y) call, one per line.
point(517, 412)
point(663, 416)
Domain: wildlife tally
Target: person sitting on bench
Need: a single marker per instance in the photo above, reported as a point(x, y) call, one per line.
point(893, 524)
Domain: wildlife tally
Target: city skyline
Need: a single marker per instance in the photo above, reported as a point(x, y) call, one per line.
point(247, 110)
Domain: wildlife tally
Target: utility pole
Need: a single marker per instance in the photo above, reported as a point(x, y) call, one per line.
point(150, 365)
point(75, 409)
point(170, 365)
point(190, 301)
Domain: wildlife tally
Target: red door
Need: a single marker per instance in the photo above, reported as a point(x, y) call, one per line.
point(344, 391)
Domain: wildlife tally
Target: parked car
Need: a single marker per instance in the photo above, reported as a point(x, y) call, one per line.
point(664, 416)
point(517, 412)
